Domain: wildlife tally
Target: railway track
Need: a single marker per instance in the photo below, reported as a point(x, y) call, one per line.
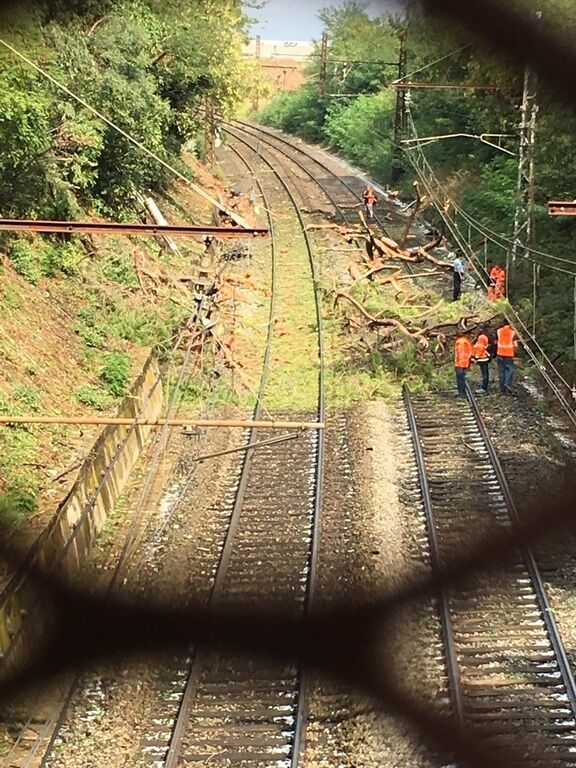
point(232, 709)
point(510, 680)
point(331, 182)
point(219, 707)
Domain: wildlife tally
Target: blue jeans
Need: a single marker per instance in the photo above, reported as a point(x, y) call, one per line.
point(505, 372)
point(461, 381)
point(485, 371)
point(369, 208)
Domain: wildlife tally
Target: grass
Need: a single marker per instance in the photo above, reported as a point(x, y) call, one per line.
point(206, 393)
point(92, 397)
point(357, 374)
point(293, 380)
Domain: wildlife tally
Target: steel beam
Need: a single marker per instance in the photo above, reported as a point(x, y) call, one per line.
point(160, 422)
point(562, 208)
point(114, 228)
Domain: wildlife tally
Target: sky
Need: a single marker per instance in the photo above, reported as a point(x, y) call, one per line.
point(298, 19)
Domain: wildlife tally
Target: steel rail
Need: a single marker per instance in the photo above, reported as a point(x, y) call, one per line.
point(328, 194)
point(115, 228)
point(333, 174)
point(160, 422)
point(301, 709)
point(445, 617)
point(539, 588)
point(457, 649)
point(257, 132)
point(218, 586)
point(180, 725)
point(52, 728)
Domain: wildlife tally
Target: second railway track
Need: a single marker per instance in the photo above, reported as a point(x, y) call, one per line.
point(510, 681)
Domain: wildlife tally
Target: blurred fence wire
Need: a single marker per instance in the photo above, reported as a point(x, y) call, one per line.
point(340, 643)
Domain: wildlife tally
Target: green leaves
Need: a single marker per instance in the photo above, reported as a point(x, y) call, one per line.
point(148, 67)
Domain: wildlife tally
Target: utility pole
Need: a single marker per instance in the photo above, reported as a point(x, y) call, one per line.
point(523, 215)
point(256, 94)
point(323, 63)
point(399, 117)
point(209, 132)
point(525, 180)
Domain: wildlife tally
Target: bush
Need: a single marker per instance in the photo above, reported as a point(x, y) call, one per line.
point(116, 373)
point(361, 132)
point(92, 397)
point(62, 257)
point(16, 504)
point(27, 260)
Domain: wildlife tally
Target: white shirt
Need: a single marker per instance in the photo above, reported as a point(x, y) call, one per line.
point(458, 266)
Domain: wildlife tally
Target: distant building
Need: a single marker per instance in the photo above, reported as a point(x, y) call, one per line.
point(282, 61)
point(283, 49)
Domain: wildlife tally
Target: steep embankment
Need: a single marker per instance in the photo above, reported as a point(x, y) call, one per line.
point(71, 343)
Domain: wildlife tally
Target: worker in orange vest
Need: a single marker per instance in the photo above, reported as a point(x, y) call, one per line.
point(462, 357)
point(506, 346)
point(482, 355)
point(500, 287)
point(496, 283)
point(370, 200)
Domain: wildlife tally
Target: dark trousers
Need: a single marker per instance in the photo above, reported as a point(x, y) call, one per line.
point(457, 286)
point(485, 371)
point(505, 372)
point(461, 381)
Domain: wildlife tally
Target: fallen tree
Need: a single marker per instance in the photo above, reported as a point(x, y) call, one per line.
point(393, 332)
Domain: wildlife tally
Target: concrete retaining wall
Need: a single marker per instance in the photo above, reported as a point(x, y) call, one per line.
point(66, 543)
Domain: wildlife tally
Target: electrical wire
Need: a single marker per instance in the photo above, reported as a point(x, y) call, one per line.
point(432, 63)
point(497, 239)
point(483, 229)
point(526, 335)
point(121, 131)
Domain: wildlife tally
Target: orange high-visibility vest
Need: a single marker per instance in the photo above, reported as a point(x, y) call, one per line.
point(480, 348)
point(494, 272)
point(370, 196)
point(506, 341)
point(462, 352)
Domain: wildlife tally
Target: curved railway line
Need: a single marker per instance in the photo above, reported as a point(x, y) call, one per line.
point(509, 676)
point(221, 707)
point(232, 709)
point(331, 183)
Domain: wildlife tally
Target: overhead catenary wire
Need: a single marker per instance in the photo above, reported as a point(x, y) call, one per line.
point(497, 238)
point(432, 63)
point(526, 337)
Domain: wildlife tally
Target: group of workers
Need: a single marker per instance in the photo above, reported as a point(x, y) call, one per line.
point(485, 348)
point(482, 351)
point(496, 280)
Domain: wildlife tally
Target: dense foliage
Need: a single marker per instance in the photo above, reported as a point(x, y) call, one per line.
point(148, 66)
point(479, 177)
point(354, 110)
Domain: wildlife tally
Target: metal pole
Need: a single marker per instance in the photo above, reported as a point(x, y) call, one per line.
point(575, 318)
point(535, 278)
point(256, 100)
point(128, 422)
point(399, 117)
point(323, 62)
